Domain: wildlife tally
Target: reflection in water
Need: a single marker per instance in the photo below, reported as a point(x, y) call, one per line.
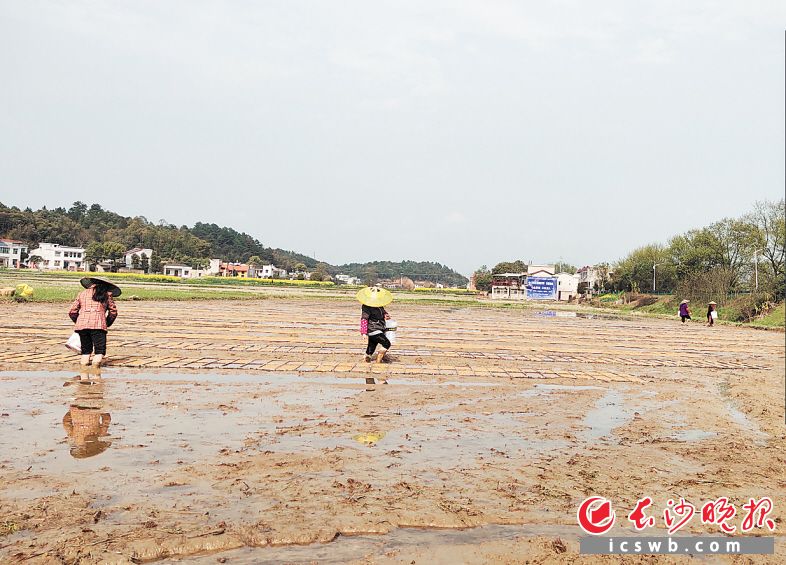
point(86, 422)
point(367, 406)
point(369, 438)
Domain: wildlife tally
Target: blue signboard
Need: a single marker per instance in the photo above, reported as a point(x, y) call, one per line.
point(542, 288)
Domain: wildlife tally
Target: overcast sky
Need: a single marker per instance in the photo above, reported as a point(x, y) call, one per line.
point(460, 132)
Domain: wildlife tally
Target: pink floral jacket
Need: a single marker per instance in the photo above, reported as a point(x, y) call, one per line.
point(89, 314)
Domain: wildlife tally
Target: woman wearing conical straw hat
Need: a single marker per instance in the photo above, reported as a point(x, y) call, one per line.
point(93, 312)
point(684, 310)
point(712, 313)
point(372, 320)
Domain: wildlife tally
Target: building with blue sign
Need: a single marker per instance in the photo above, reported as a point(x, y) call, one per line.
point(540, 283)
point(542, 288)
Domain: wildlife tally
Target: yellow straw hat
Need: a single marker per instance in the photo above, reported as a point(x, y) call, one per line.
point(374, 296)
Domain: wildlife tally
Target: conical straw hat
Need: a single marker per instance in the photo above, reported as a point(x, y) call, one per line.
point(113, 288)
point(374, 297)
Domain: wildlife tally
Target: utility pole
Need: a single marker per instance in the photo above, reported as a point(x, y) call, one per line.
point(653, 275)
point(756, 267)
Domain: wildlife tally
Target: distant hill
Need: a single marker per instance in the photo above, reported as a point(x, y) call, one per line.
point(415, 270)
point(82, 225)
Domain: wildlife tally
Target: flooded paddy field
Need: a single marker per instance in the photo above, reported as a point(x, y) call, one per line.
point(245, 433)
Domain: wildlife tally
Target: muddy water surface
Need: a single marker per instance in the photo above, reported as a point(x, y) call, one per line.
point(263, 468)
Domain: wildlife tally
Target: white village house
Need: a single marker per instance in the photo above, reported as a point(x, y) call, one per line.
point(567, 286)
point(56, 257)
point(347, 279)
point(11, 252)
point(509, 286)
point(270, 272)
point(213, 270)
point(177, 270)
point(593, 277)
point(138, 252)
point(188, 272)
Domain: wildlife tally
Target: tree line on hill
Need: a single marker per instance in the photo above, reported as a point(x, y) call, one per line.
point(732, 255)
point(106, 235)
point(426, 271)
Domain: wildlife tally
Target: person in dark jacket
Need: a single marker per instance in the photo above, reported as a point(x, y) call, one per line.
point(372, 324)
point(712, 313)
point(93, 312)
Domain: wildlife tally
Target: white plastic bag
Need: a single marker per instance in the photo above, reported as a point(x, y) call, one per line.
point(74, 343)
point(390, 330)
point(714, 314)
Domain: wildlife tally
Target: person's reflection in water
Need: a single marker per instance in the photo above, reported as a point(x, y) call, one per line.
point(86, 422)
point(368, 406)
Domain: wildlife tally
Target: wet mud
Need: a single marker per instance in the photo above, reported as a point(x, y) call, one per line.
point(142, 465)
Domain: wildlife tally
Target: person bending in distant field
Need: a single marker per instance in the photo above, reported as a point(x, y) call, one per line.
point(372, 324)
point(684, 311)
point(712, 313)
point(93, 312)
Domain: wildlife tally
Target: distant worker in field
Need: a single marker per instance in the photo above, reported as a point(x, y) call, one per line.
point(712, 313)
point(93, 312)
point(684, 311)
point(373, 320)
